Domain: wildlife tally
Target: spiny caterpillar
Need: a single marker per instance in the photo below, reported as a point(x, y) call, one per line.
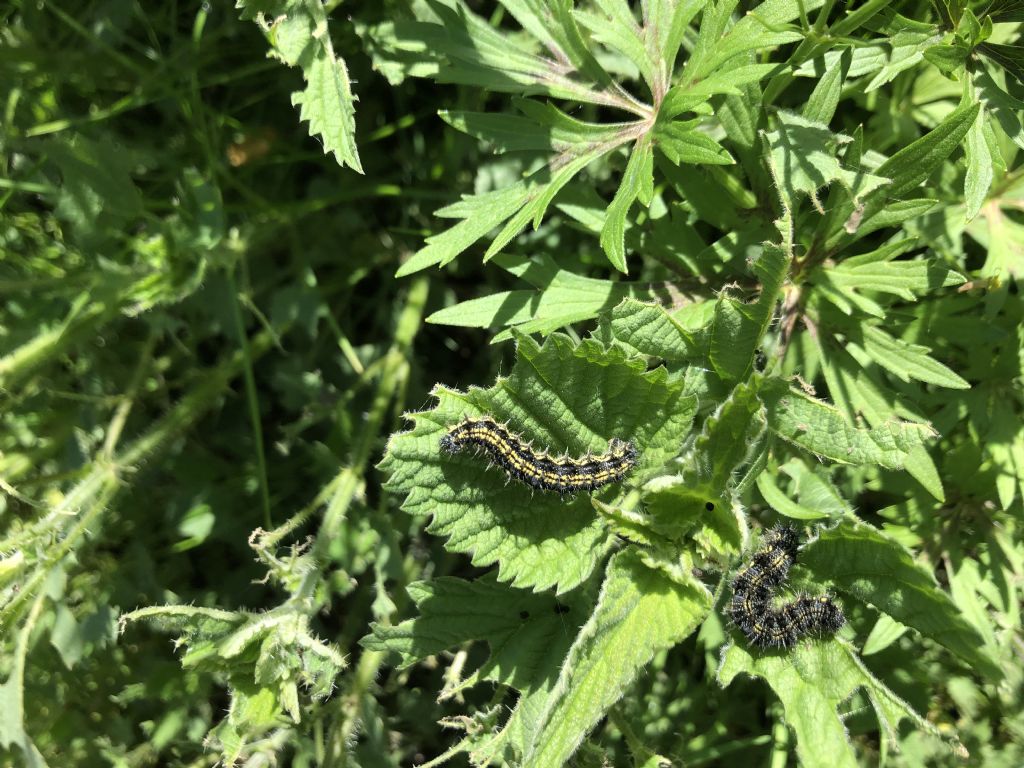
point(562, 474)
point(753, 590)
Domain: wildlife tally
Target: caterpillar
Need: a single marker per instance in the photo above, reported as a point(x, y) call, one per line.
point(562, 474)
point(754, 586)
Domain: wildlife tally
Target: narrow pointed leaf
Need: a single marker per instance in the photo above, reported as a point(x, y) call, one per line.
point(639, 613)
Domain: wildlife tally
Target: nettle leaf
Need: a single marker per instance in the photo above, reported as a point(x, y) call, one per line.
point(822, 429)
point(299, 36)
point(739, 328)
point(814, 681)
point(640, 612)
point(266, 658)
point(701, 502)
point(651, 330)
point(728, 436)
point(565, 397)
point(525, 630)
point(864, 562)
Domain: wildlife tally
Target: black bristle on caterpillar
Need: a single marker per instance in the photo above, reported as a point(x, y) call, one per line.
point(563, 474)
point(751, 608)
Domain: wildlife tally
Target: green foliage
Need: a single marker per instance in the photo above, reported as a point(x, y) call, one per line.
point(299, 35)
point(205, 360)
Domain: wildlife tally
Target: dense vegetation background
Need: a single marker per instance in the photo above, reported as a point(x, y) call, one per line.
point(776, 244)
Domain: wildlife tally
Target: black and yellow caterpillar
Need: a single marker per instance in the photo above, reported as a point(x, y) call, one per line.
point(562, 474)
point(753, 592)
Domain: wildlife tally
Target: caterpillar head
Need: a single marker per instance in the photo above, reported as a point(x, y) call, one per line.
point(625, 448)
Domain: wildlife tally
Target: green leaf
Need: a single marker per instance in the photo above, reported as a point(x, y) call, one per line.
point(637, 182)
point(577, 144)
point(803, 160)
point(864, 60)
point(1004, 443)
point(980, 171)
point(858, 391)
point(615, 27)
point(563, 297)
point(266, 657)
point(760, 28)
point(681, 144)
point(651, 330)
point(996, 101)
point(821, 106)
point(906, 170)
point(1010, 57)
point(782, 504)
point(555, 26)
point(802, 156)
point(813, 681)
point(1005, 10)
point(75, 639)
point(739, 328)
point(875, 272)
point(12, 703)
point(702, 501)
point(816, 497)
point(564, 396)
point(463, 48)
point(915, 162)
point(668, 21)
point(863, 562)
point(525, 632)
point(479, 213)
point(906, 49)
point(885, 632)
point(821, 429)
point(95, 183)
point(728, 435)
point(907, 361)
point(639, 613)
point(950, 59)
point(299, 36)
point(684, 98)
